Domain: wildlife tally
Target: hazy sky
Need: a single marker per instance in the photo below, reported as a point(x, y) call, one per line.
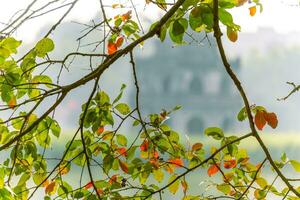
point(282, 15)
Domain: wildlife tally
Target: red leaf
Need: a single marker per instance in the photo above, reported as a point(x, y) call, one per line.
point(213, 169)
point(122, 151)
point(177, 162)
point(260, 120)
point(123, 166)
point(272, 120)
point(88, 185)
point(228, 164)
point(144, 146)
point(100, 130)
point(155, 155)
point(119, 41)
point(112, 48)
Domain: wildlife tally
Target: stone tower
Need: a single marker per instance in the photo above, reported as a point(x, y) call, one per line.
point(193, 77)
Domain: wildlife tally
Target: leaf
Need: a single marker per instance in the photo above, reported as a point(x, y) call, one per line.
point(124, 166)
point(212, 170)
point(232, 34)
point(271, 118)
point(197, 146)
point(100, 130)
point(42, 79)
point(12, 102)
point(111, 48)
point(123, 108)
point(184, 186)
point(113, 179)
point(51, 188)
point(43, 47)
point(261, 182)
point(145, 145)
point(214, 132)
point(296, 165)
point(177, 162)
point(122, 140)
point(225, 188)
point(252, 11)
point(242, 115)
point(175, 185)
point(260, 120)
point(122, 151)
point(88, 185)
point(119, 41)
point(158, 175)
point(228, 164)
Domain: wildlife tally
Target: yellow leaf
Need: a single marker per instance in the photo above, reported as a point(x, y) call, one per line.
point(158, 175)
point(175, 185)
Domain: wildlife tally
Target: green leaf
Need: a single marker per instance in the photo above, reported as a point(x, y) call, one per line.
point(261, 182)
point(55, 128)
point(225, 188)
point(122, 140)
point(43, 47)
point(42, 79)
point(24, 178)
point(123, 108)
point(177, 30)
point(174, 186)
point(38, 178)
point(242, 115)
point(296, 165)
point(214, 132)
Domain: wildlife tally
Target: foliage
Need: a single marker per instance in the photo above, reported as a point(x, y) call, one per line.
point(156, 160)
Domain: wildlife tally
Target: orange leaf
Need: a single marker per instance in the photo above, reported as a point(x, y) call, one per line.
point(122, 151)
point(260, 120)
point(272, 120)
point(12, 102)
point(184, 186)
point(177, 162)
point(113, 179)
point(213, 169)
point(252, 10)
point(144, 146)
point(88, 185)
point(228, 164)
point(169, 168)
point(46, 183)
point(197, 146)
point(100, 130)
point(232, 35)
point(50, 188)
point(119, 41)
point(124, 166)
point(112, 48)
point(126, 16)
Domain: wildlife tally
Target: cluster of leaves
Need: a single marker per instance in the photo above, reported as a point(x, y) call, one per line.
point(134, 167)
